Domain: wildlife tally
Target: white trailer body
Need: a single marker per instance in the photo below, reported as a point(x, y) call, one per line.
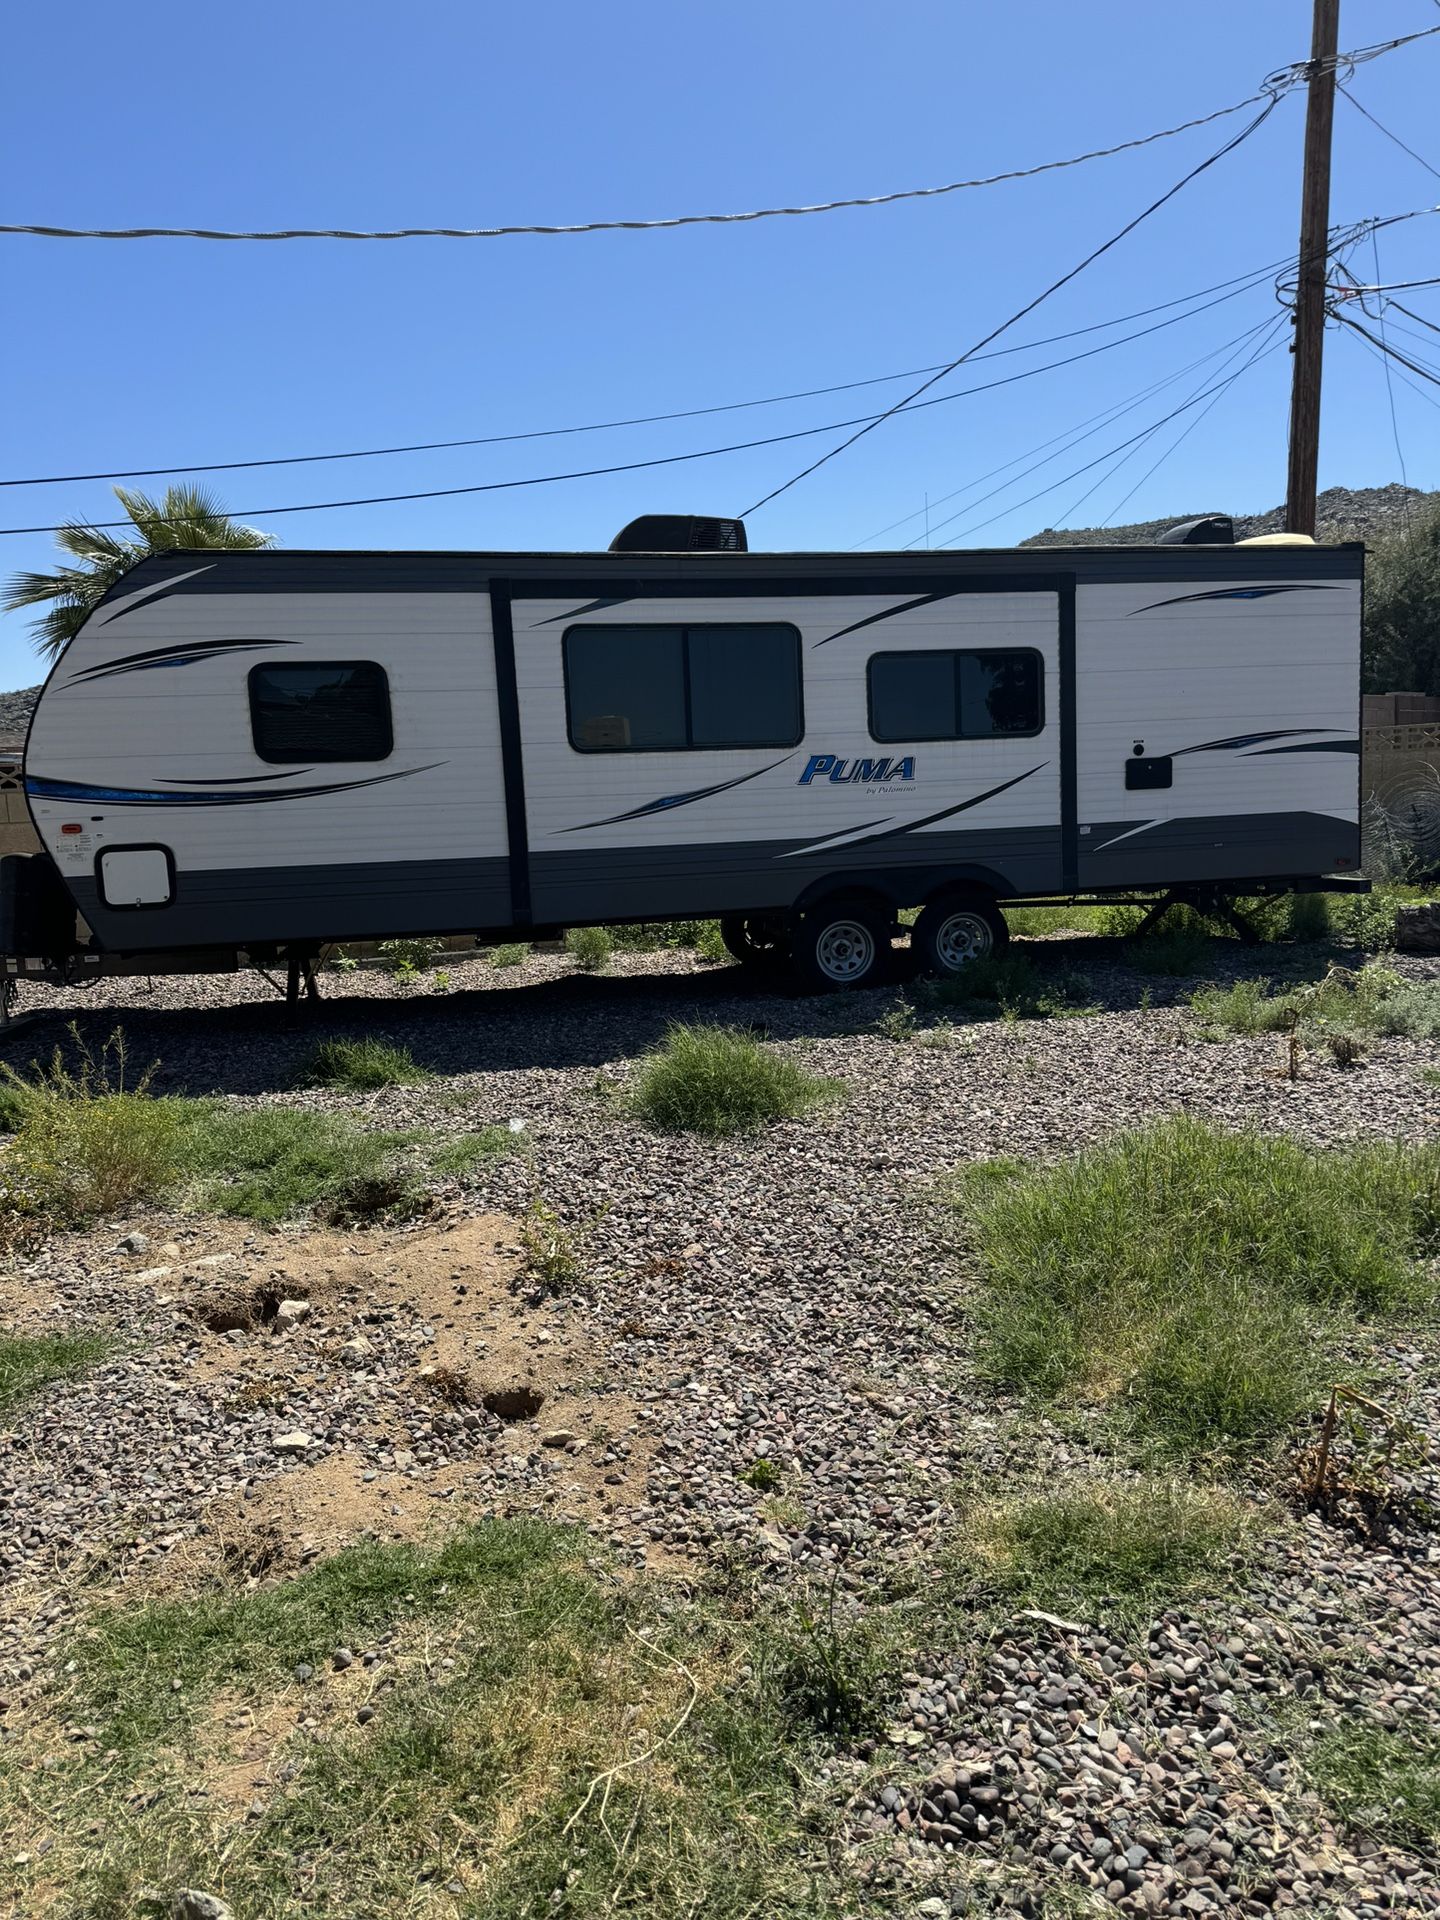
point(257, 750)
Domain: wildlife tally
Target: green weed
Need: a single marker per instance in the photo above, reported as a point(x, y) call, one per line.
point(513, 953)
point(720, 1080)
point(361, 1064)
point(470, 1150)
point(1380, 1781)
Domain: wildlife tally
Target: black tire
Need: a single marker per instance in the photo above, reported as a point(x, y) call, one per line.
point(759, 940)
point(841, 946)
point(956, 930)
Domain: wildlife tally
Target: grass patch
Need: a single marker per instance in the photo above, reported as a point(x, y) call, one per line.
point(1134, 1545)
point(1379, 1781)
point(590, 948)
point(1371, 999)
point(1035, 922)
point(470, 1150)
point(721, 1080)
point(514, 953)
point(268, 1163)
point(574, 1712)
point(31, 1361)
point(361, 1064)
point(1196, 1278)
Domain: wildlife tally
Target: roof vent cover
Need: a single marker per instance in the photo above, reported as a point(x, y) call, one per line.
point(1210, 530)
point(680, 533)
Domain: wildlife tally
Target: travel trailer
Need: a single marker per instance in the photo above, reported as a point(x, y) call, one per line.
point(242, 757)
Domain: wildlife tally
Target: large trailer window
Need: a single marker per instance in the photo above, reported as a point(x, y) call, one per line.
point(668, 689)
point(323, 710)
point(945, 694)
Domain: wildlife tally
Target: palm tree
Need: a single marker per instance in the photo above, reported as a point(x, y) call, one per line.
point(186, 517)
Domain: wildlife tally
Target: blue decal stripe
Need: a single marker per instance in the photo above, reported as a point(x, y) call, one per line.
point(1248, 740)
point(1238, 593)
point(1312, 746)
point(905, 606)
point(38, 787)
point(182, 654)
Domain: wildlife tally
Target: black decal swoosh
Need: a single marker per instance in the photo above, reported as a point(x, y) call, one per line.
point(1313, 746)
point(1248, 739)
point(591, 606)
point(180, 654)
point(669, 801)
point(921, 600)
point(1239, 593)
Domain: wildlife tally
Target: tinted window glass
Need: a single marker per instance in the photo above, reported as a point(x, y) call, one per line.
point(999, 693)
point(335, 710)
point(944, 695)
point(744, 686)
point(912, 696)
point(626, 687)
point(650, 689)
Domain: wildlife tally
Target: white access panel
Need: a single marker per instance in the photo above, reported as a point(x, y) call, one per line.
point(135, 877)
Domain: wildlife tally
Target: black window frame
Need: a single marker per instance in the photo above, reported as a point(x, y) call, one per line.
point(319, 758)
point(685, 628)
point(921, 739)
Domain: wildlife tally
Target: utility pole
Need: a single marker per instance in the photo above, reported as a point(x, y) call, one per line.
point(1314, 272)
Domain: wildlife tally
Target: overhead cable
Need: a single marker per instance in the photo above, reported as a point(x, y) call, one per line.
point(1229, 146)
point(1239, 284)
point(631, 466)
point(1281, 81)
point(1380, 126)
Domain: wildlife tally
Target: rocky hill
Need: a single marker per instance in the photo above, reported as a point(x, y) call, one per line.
point(15, 711)
point(1341, 513)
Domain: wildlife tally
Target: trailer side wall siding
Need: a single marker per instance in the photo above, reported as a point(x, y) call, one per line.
point(289, 747)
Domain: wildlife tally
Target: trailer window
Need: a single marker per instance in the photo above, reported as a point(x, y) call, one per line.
point(323, 710)
point(659, 689)
point(940, 694)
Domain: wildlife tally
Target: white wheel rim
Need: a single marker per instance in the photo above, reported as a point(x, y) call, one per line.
point(845, 950)
point(961, 938)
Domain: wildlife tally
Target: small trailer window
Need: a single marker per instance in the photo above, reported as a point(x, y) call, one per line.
point(940, 694)
point(669, 689)
point(323, 710)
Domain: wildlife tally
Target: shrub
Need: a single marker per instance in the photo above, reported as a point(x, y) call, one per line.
point(513, 954)
point(590, 948)
point(549, 1256)
point(1139, 1542)
point(709, 945)
point(1307, 917)
point(1013, 985)
point(362, 1064)
point(409, 956)
point(1194, 1276)
point(86, 1144)
point(1373, 999)
point(720, 1080)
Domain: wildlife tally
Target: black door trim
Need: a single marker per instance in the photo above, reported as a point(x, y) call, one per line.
point(1069, 779)
point(507, 701)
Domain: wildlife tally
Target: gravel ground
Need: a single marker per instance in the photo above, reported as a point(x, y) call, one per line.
point(788, 1302)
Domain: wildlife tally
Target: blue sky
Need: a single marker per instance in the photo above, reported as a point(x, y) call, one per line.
point(138, 354)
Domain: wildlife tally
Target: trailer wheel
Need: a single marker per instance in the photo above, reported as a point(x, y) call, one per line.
point(842, 945)
point(951, 934)
point(756, 939)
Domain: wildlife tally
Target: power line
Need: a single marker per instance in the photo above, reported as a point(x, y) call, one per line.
point(1281, 81)
point(1155, 466)
point(588, 473)
point(1088, 428)
point(1239, 284)
point(1230, 145)
point(1384, 347)
point(1390, 396)
point(1380, 126)
point(1144, 433)
point(1370, 347)
point(627, 226)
